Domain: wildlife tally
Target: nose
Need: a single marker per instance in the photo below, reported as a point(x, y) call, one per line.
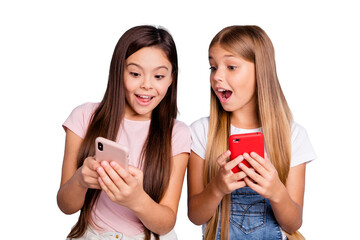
point(218, 75)
point(146, 83)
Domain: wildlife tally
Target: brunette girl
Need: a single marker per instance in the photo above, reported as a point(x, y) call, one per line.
point(139, 111)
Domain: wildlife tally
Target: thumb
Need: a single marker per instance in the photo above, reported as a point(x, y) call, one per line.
point(134, 171)
point(222, 159)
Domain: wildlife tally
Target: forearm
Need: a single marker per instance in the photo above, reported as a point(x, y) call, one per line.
point(287, 212)
point(157, 218)
point(203, 205)
point(71, 195)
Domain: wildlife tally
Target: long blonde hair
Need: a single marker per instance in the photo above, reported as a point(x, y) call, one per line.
point(252, 44)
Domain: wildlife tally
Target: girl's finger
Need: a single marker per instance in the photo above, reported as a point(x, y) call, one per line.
point(222, 159)
point(238, 176)
point(106, 189)
point(252, 185)
point(239, 184)
point(256, 163)
point(267, 163)
point(107, 180)
point(231, 164)
point(134, 171)
point(121, 172)
point(251, 173)
point(93, 164)
point(114, 176)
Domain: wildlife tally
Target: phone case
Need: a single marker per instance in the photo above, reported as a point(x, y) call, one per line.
point(108, 150)
point(246, 143)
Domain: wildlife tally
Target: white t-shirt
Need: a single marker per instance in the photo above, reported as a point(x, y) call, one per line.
point(301, 148)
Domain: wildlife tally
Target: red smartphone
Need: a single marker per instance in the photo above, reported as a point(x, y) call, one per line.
point(246, 143)
point(108, 150)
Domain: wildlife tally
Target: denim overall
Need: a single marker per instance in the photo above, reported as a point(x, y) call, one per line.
point(251, 217)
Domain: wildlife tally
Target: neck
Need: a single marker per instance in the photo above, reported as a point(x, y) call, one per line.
point(130, 114)
point(245, 118)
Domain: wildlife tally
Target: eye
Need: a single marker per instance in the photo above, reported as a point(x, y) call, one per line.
point(159, 77)
point(232, 67)
point(213, 68)
point(134, 74)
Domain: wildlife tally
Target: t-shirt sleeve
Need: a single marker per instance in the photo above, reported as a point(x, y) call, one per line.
point(79, 119)
point(181, 138)
point(302, 150)
point(199, 132)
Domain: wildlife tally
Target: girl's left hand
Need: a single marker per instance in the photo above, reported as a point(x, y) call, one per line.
point(123, 187)
point(263, 178)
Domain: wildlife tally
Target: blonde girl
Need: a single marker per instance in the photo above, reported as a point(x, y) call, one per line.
point(139, 111)
point(264, 201)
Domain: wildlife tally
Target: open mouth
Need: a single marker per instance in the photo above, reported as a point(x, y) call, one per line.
point(144, 98)
point(224, 95)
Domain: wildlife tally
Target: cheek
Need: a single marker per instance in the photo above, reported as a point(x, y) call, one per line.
point(212, 81)
point(130, 86)
point(162, 87)
point(247, 91)
point(246, 82)
point(250, 87)
point(163, 91)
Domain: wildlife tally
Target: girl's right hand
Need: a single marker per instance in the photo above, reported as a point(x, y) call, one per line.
point(225, 180)
point(87, 174)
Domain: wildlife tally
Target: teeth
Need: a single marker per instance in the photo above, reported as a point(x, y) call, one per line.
point(146, 97)
point(221, 90)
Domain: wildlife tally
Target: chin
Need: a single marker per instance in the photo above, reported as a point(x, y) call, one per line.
point(144, 113)
point(227, 108)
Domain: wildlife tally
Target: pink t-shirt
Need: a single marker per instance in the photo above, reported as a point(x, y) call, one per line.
point(109, 216)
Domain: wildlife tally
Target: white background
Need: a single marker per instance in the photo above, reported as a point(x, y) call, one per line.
point(55, 55)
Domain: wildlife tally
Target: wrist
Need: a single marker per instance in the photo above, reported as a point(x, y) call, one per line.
point(215, 190)
point(79, 180)
point(141, 202)
point(280, 194)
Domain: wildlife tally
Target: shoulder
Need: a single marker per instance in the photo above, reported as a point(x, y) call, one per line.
point(181, 138)
point(298, 133)
point(84, 112)
point(181, 130)
point(200, 126)
point(85, 108)
point(302, 149)
point(181, 126)
point(201, 123)
point(199, 132)
point(79, 119)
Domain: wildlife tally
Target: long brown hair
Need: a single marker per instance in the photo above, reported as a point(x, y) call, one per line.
point(105, 122)
point(252, 44)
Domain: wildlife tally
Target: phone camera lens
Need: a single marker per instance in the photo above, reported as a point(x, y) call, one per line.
point(100, 146)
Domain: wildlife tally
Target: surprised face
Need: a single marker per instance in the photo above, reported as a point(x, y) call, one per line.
point(147, 77)
point(232, 79)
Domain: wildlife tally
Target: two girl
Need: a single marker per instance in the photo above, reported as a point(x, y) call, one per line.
point(264, 201)
point(139, 111)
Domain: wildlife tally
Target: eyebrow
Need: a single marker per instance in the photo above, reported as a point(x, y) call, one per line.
point(227, 56)
point(137, 65)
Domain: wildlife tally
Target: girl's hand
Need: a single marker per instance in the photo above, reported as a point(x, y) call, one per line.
point(225, 180)
point(88, 177)
point(263, 178)
point(121, 186)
